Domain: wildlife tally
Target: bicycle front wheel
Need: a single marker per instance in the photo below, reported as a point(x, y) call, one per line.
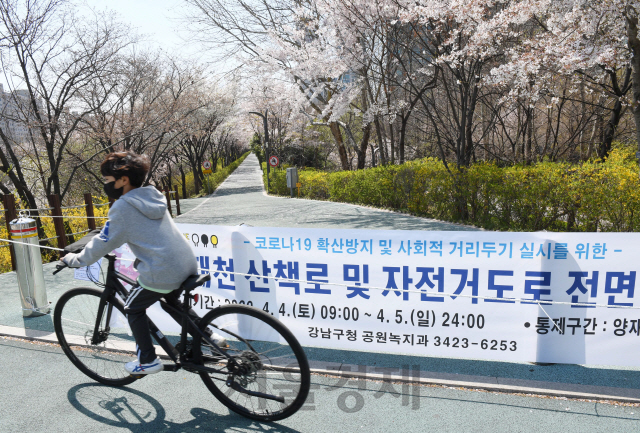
point(266, 374)
point(100, 355)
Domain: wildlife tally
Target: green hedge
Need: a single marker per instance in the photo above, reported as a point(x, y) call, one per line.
point(593, 196)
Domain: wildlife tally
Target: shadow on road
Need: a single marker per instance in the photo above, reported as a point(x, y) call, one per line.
point(139, 412)
point(39, 323)
point(238, 190)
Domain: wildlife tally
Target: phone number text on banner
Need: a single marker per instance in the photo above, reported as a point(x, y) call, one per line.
point(539, 297)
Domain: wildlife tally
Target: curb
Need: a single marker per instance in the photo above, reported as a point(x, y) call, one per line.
point(424, 378)
point(529, 388)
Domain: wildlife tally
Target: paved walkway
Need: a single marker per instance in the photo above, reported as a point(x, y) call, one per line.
point(241, 199)
point(43, 392)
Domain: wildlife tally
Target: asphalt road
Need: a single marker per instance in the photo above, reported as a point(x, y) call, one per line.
point(43, 392)
point(241, 200)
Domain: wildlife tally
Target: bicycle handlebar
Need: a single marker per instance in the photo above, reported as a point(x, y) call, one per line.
point(60, 266)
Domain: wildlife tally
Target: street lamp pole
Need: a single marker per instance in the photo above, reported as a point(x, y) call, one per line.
point(266, 140)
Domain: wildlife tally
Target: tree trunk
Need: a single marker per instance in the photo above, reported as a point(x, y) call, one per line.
point(362, 153)
point(337, 135)
point(597, 127)
point(609, 131)
point(392, 144)
point(469, 146)
point(403, 134)
point(366, 133)
point(634, 46)
point(184, 182)
point(380, 138)
point(373, 155)
point(214, 162)
point(196, 178)
point(528, 147)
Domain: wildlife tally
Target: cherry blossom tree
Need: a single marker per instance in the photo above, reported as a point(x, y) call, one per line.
point(594, 42)
point(518, 77)
point(293, 40)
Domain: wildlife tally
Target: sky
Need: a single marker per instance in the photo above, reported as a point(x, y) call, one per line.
point(162, 24)
point(156, 19)
point(159, 23)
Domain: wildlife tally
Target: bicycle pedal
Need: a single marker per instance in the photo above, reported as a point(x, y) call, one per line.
point(172, 367)
point(137, 376)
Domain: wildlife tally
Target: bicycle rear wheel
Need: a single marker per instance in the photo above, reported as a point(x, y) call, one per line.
point(265, 359)
point(74, 320)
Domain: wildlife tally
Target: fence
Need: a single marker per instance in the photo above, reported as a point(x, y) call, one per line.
point(66, 226)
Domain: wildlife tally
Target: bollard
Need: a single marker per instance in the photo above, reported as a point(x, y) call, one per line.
point(33, 294)
point(292, 179)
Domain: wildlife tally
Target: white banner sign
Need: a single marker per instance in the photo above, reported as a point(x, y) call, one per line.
point(88, 273)
point(539, 297)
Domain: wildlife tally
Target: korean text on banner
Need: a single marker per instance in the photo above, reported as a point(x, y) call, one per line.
point(539, 297)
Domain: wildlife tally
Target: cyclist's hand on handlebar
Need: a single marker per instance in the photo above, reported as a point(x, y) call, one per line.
point(60, 266)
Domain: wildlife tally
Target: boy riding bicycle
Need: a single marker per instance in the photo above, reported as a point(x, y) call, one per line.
point(140, 218)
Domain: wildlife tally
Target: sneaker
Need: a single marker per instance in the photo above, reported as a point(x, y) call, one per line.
point(135, 367)
point(217, 338)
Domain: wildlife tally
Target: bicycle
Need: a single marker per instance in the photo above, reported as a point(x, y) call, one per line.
point(261, 372)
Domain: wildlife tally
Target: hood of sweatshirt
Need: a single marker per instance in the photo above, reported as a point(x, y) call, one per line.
point(148, 200)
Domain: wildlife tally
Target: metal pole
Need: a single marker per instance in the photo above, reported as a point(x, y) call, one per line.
point(177, 200)
point(266, 142)
point(33, 294)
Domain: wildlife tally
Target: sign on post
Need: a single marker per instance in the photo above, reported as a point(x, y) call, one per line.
point(89, 273)
point(274, 161)
point(206, 167)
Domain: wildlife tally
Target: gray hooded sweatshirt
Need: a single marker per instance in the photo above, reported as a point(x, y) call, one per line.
point(140, 219)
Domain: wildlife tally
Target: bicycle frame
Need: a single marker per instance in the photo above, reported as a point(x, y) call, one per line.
point(114, 286)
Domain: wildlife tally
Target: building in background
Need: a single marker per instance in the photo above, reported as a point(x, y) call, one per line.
point(16, 115)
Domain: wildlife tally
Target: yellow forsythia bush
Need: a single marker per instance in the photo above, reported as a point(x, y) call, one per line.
point(75, 222)
point(553, 196)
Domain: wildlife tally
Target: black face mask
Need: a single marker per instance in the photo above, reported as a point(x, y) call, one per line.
point(111, 191)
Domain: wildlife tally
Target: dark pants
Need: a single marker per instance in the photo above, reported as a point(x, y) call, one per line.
point(136, 310)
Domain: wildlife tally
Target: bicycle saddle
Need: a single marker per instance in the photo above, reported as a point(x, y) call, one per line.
point(79, 245)
point(194, 281)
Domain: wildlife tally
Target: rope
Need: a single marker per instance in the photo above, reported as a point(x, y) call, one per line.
point(73, 207)
point(48, 248)
point(555, 325)
point(35, 210)
point(65, 216)
point(78, 233)
point(540, 303)
point(31, 245)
